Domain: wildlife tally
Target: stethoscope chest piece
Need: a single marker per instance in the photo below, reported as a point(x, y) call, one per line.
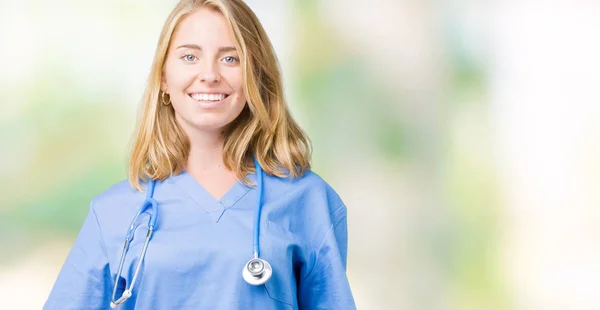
point(257, 271)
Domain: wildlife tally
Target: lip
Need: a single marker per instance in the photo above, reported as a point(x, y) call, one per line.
point(208, 92)
point(208, 104)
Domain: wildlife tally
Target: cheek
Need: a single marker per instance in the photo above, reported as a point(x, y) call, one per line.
point(233, 77)
point(236, 82)
point(240, 100)
point(177, 76)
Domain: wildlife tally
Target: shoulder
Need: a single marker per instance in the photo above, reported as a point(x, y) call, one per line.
point(118, 191)
point(116, 198)
point(310, 191)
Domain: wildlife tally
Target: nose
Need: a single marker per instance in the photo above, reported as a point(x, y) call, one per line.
point(209, 73)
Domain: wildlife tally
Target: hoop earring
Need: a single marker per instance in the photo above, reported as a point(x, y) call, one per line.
point(162, 98)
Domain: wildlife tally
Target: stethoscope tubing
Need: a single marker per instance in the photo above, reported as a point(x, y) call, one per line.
point(150, 203)
point(259, 187)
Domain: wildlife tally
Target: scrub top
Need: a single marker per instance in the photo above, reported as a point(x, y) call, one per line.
point(200, 246)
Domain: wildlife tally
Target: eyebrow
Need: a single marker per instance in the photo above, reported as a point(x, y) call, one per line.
point(196, 47)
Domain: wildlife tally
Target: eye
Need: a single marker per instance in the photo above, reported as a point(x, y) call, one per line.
point(230, 59)
point(189, 57)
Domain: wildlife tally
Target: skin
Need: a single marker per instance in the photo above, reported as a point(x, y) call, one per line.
point(202, 59)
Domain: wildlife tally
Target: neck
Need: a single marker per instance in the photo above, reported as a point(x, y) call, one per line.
point(206, 152)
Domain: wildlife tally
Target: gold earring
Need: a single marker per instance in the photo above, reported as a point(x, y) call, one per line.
point(162, 98)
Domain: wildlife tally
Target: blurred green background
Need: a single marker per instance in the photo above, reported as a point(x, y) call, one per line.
point(462, 135)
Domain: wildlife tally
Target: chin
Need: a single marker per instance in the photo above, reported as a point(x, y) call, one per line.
point(213, 121)
point(210, 126)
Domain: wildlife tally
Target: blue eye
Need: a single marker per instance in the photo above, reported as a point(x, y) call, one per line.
point(189, 57)
point(231, 59)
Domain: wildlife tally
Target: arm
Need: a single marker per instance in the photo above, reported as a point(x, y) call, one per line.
point(326, 284)
point(84, 280)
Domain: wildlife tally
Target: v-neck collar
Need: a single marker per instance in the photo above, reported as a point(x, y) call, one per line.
point(215, 208)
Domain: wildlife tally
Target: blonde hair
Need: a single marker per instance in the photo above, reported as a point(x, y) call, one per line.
point(264, 128)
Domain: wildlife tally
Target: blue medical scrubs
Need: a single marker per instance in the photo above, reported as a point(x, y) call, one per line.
point(196, 255)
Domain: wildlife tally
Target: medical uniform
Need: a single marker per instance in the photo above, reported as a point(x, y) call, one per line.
point(200, 246)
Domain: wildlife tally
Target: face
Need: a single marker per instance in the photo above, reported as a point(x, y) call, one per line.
point(202, 73)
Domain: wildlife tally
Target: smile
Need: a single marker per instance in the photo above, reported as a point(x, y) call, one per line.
point(208, 97)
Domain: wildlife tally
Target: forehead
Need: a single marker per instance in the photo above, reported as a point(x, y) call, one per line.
point(204, 27)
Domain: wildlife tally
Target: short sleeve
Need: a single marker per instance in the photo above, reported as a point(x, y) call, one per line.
point(326, 286)
point(84, 280)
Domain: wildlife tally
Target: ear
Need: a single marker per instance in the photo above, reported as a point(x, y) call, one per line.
point(163, 82)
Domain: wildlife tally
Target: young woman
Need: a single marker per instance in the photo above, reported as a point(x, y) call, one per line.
point(221, 210)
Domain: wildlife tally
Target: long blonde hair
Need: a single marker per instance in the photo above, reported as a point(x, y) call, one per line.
point(264, 128)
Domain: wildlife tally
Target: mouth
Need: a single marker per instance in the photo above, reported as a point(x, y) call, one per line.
point(208, 98)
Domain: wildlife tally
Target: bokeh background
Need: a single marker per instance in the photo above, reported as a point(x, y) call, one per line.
point(464, 137)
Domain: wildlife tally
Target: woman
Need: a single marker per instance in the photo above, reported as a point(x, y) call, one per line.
point(213, 114)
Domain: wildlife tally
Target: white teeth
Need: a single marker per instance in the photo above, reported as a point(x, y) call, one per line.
point(208, 97)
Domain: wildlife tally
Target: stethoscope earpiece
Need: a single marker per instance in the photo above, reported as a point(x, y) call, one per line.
point(257, 271)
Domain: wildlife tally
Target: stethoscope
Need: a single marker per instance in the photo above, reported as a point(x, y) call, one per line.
point(257, 271)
